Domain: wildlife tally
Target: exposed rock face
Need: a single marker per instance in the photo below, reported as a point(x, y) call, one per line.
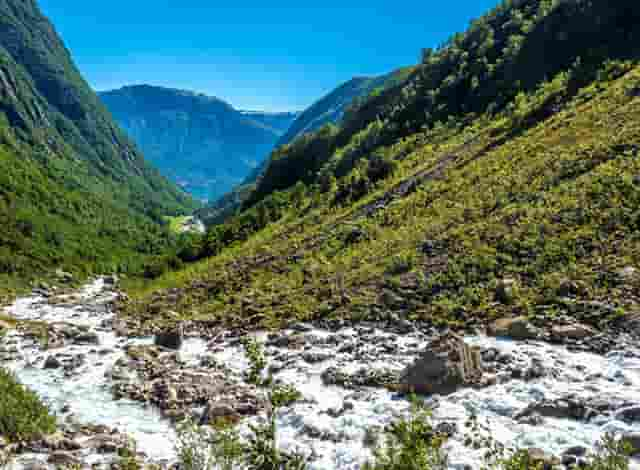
point(446, 365)
point(171, 339)
point(516, 328)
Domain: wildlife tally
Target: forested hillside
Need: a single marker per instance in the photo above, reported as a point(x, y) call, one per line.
point(74, 192)
point(492, 165)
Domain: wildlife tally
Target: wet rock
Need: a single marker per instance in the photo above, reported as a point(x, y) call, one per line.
point(52, 363)
point(446, 429)
point(87, 338)
point(630, 414)
point(566, 408)
point(516, 328)
point(171, 339)
point(301, 327)
point(532, 420)
point(64, 459)
point(315, 357)
point(576, 451)
point(104, 443)
point(447, 364)
point(573, 331)
point(506, 290)
point(364, 377)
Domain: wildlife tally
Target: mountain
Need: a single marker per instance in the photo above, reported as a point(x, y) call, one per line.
point(73, 189)
point(330, 109)
point(502, 178)
point(201, 142)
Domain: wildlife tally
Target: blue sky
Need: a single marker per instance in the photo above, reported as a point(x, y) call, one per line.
point(276, 55)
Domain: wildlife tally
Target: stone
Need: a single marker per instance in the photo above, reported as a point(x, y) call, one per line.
point(571, 288)
point(506, 290)
point(88, 337)
point(52, 362)
point(63, 459)
point(577, 451)
point(516, 328)
point(630, 414)
point(171, 339)
point(573, 331)
point(446, 365)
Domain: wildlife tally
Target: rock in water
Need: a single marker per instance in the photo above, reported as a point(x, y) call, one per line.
point(447, 364)
point(170, 339)
point(516, 328)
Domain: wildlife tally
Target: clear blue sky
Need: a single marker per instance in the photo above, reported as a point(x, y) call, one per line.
point(277, 55)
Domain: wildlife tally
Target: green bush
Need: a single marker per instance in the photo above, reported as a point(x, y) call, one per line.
point(22, 414)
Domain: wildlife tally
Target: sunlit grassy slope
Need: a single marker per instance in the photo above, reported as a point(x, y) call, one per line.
point(527, 194)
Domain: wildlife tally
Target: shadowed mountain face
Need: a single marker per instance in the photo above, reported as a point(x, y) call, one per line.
point(73, 186)
point(201, 142)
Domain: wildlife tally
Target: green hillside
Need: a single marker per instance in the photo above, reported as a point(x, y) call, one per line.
point(74, 192)
point(426, 214)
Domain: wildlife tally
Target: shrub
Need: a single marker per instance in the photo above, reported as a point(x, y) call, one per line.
point(22, 414)
point(411, 444)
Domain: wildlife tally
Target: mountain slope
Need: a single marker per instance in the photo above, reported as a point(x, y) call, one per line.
point(74, 190)
point(331, 108)
point(328, 110)
point(431, 219)
point(201, 142)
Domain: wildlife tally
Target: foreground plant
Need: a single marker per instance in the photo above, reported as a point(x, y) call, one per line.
point(411, 444)
point(22, 414)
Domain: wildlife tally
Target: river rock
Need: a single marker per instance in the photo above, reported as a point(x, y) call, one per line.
point(88, 337)
point(630, 414)
point(572, 331)
point(516, 328)
point(64, 459)
point(52, 362)
point(171, 339)
point(446, 365)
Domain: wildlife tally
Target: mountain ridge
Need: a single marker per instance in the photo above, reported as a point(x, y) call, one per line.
point(199, 141)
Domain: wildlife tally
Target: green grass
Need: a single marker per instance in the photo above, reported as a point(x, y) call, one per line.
point(551, 200)
point(22, 414)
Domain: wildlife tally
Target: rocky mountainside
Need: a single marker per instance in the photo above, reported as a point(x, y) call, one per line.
point(201, 142)
point(72, 184)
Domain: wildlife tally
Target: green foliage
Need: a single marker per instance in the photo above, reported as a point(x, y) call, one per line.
point(22, 414)
point(199, 448)
point(284, 395)
point(411, 444)
point(257, 361)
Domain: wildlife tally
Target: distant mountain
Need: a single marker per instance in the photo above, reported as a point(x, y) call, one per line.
point(73, 188)
point(201, 142)
point(329, 109)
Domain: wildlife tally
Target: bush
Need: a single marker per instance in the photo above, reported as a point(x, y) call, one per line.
point(22, 414)
point(411, 444)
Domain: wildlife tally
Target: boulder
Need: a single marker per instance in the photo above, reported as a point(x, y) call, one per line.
point(446, 365)
point(64, 460)
point(52, 363)
point(516, 328)
point(573, 331)
point(88, 337)
point(170, 339)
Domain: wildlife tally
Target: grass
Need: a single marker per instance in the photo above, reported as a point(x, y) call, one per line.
point(492, 200)
point(22, 414)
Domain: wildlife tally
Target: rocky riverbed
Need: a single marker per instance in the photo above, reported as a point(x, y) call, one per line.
point(107, 387)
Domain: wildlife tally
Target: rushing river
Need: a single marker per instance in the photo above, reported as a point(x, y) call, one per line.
point(331, 423)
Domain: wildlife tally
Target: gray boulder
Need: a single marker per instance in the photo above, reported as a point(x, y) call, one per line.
point(446, 365)
point(170, 339)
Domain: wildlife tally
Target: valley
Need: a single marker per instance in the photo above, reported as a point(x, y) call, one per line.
point(434, 268)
